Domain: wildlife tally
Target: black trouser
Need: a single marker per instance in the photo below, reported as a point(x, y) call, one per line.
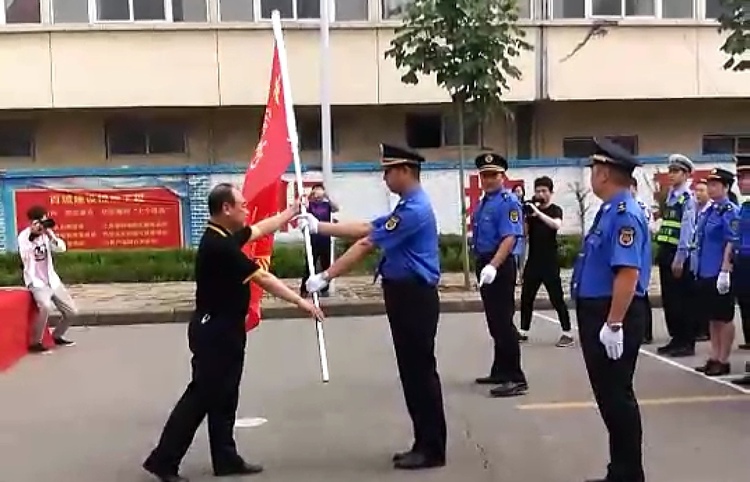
point(413, 310)
point(321, 255)
point(499, 303)
point(674, 293)
point(218, 358)
point(743, 300)
point(612, 384)
point(741, 289)
point(648, 330)
point(547, 273)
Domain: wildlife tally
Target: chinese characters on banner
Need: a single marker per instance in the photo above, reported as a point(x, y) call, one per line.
point(108, 219)
point(474, 192)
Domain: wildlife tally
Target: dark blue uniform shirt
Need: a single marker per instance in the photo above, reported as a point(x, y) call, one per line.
point(498, 216)
point(619, 238)
point(409, 240)
point(741, 271)
point(717, 228)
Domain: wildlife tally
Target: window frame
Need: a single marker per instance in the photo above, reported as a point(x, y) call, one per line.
point(32, 128)
point(258, 13)
point(168, 14)
point(699, 12)
point(381, 11)
point(147, 126)
point(735, 137)
point(610, 137)
point(445, 118)
point(41, 15)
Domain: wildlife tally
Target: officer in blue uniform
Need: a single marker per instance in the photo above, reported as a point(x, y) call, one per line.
point(741, 269)
point(741, 260)
point(410, 268)
point(497, 227)
point(609, 284)
point(714, 239)
point(648, 332)
point(673, 239)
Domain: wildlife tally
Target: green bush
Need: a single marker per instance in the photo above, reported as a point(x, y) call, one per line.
point(177, 264)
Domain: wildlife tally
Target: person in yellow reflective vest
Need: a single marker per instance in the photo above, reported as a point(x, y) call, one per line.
point(673, 240)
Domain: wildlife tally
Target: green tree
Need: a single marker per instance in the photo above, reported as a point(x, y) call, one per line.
point(736, 21)
point(470, 47)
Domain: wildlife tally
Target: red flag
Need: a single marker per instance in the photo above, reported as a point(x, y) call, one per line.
point(262, 184)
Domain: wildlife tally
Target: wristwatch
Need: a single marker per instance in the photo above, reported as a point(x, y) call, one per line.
point(614, 325)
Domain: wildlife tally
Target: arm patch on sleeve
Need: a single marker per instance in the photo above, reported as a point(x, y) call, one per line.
point(626, 236)
point(392, 222)
point(513, 215)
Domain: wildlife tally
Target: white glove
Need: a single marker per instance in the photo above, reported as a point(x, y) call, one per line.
point(613, 341)
point(723, 283)
point(316, 282)
point(308, 221)
point(487, 275)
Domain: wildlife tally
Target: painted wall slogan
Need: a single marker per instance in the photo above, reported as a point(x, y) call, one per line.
point(148, 217)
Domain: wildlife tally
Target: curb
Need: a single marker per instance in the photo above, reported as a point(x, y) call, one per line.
point(333, 308)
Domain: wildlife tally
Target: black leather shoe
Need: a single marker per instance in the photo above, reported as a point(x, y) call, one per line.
point(243, 469)
point(682, 352)
point(161, 474)
point(400, 455)
point(418, 461)
point(510, 389)
point(490, 380)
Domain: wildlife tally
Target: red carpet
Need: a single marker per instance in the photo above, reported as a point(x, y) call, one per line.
point(17, 312)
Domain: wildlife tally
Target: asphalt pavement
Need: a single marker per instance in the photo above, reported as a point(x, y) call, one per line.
point(92, 412)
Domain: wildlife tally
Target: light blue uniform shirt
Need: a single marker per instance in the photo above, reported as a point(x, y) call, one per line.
point(619, 238)
point(408, 237)
point(498, 216)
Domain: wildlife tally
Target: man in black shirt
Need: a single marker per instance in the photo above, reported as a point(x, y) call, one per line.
point(217, 337)
point(543, 220)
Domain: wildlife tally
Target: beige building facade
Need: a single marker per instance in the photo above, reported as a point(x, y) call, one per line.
point(160, 82)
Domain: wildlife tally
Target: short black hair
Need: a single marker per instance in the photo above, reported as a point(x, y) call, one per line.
point(317, 185)
point(221, 193)
point(35, 213)
point(544, 181)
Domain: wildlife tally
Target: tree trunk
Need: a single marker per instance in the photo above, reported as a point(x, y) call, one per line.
point(462, 193)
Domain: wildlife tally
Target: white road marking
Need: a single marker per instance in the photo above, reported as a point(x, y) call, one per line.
point(250, 422)
point(669, 362)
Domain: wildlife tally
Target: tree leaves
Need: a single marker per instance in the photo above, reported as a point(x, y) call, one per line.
point(736, 21)
point(469, 45)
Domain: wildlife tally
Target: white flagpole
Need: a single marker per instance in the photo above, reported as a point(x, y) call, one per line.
point(325, 108)
point(294, 141)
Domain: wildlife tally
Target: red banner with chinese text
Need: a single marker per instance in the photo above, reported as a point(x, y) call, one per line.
point(262, 184)
point(110, 218)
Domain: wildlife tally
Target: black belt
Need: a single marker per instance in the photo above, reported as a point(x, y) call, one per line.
point(408, 280)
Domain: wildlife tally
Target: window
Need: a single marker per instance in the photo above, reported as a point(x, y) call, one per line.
point(310, 9)
point(137, 137)
point(714, 8)
point(77, 11)
point(575, 147)
point(624, 8)
point(435, 130)
point(392, 9)
point(310, 136)
point(726, 144)
point(21, 11)
point(16, 139)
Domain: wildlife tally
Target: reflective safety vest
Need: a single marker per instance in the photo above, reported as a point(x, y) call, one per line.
point(669, 232)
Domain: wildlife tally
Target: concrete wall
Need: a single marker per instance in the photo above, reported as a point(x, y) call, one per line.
point(185, 64)
point(357, 187)
point(76, 138)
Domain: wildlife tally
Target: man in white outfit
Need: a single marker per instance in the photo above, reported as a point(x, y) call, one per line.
point(36, 244)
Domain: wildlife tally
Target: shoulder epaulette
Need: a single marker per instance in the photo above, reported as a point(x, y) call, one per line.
point(622, 207)
point(727, 207)
point(506, 196)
